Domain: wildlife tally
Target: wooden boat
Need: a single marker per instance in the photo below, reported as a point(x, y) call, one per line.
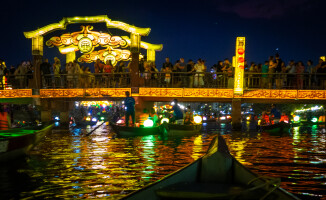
point(183, 130)
point(277, 128)
point(125, 131)
point(18, 141)
point(216, 175)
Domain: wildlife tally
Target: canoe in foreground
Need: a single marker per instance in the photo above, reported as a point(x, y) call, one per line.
point(216, 175)
point(17, 142)
point(183, 130)
point(125, 131)
point(279, 128)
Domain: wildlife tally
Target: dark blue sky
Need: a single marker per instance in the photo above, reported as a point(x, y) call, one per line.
point(191, 29)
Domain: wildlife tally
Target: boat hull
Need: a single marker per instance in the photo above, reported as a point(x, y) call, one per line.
point(278, 128)
point(216, 175)
point(183, 130)
point(18, 142)
point(124, 131)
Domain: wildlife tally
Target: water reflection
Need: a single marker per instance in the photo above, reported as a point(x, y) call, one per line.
point(69, 165)
point(75, 165)
point(298, 158)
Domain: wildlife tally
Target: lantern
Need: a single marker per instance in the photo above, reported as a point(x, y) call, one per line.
point(198, 119)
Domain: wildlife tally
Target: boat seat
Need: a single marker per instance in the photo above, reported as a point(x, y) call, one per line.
point(197, 190)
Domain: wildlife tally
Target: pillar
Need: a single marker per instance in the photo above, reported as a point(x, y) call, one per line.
point(37, 52)
point(46, 112)
point(236, 114)
point(134, 66)
point(150, 55)
point(70, 56)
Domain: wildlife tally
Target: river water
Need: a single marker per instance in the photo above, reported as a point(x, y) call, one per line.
point(69, 164)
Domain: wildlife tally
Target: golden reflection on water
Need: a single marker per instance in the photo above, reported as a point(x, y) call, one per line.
point(102, 165)
point(72, 165)
point(297, 158)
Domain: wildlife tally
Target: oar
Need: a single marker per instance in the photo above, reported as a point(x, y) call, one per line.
point(94, 129)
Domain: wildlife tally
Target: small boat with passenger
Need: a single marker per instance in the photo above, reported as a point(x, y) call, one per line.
point(277, 128)
point(18, 142)
point(216, 175)
point(128, 131)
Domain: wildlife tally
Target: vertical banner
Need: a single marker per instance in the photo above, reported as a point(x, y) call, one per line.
point(239, 65)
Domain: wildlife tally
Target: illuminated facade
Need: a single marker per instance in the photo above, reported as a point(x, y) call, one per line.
point(86, 40)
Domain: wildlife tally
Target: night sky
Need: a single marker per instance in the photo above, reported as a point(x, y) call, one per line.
point(204, 29)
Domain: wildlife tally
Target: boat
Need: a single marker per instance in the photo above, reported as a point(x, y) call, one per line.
point(216, 175)
point(277, 128)
point(18, 142)
point(183, 130)
point(128, 131)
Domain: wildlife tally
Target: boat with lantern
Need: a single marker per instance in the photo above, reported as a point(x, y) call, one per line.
point(129, 131)
point(175, 129)
point(277, 128)
point(216, 175)
point(18, 142)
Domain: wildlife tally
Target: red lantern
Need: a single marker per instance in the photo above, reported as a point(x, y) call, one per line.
point(240, 51)
point(241, 66)
point(240, 60)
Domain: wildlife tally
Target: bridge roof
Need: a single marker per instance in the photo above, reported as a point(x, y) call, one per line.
point(61, 25)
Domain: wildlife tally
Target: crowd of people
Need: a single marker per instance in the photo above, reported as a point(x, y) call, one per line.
point(274, 73)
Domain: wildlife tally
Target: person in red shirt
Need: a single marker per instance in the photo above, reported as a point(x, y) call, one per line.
point(107, 68)
point(264, 119)
point(284, 118)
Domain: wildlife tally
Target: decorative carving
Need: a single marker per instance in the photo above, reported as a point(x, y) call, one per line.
point(86, 40)
point(114, 55)
point(89, 92)
point(17, 93)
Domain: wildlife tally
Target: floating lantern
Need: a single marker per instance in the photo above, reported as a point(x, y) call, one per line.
point(314, 119)
point(88, 119)
point(94, 119)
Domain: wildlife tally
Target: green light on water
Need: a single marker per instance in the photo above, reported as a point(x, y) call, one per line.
point(314, 119)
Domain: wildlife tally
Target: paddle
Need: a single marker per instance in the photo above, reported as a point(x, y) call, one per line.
point(94, 129)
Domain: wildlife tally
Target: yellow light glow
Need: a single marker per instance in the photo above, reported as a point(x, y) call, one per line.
point(145, 45)
point(151, 55)
point(198, 119)
point(239, 65)
point(323, 58)
point(88, 19)
point(65, 50)
point(165, 120)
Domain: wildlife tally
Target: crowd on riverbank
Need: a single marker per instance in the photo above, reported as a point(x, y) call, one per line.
point(274, 73)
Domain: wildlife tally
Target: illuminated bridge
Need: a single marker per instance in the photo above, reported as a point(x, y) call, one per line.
point(59, 91)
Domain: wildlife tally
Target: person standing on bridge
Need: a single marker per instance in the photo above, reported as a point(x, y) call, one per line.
point(130, 108)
